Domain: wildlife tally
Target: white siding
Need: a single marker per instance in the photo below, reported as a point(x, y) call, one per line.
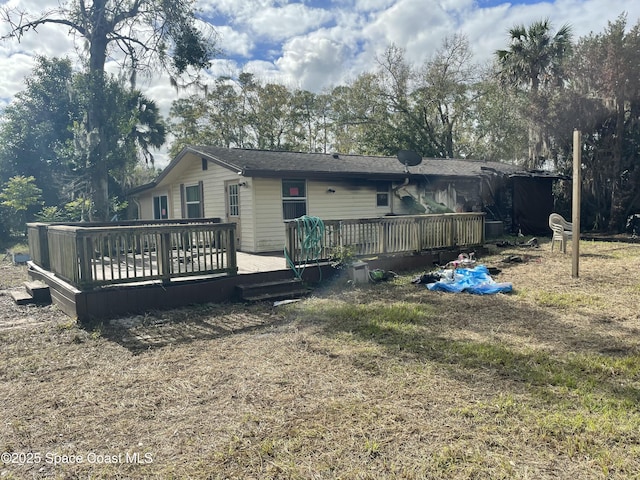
point(349, 201)
point(145, 202)
point(190, 172)
point(145, 206)
point(261, 222)
point(269, 225)
point(213, 179)
point(247, 215)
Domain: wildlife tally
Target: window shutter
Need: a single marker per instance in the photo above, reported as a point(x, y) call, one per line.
point(201, 185)
point(183, 202)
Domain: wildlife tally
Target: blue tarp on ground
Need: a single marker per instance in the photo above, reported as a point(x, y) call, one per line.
point(472, 280)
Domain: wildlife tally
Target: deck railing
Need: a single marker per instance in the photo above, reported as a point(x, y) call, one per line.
point(92, 255)
point(389, 235)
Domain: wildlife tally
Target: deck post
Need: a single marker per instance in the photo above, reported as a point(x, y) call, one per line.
point(290, 242)
point(232, 266)
point(382, 236)
point(452, 231)
point(83, 246)
point(39, 244)
point(164, 257)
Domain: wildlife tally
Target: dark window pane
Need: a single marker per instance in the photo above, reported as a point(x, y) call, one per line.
point(193, 210)
point(160, 209)
point(293, 209)
point(193, 193)
point(382, 199)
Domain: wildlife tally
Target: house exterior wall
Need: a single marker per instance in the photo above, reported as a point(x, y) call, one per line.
point(261, 224)
point(213, 182)
point(268, 225)
point(348, 201)
point(262, 227)
point(214, 195)
point(144, 202)
point(247, 215)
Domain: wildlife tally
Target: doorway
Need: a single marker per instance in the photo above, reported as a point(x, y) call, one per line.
point(232, 201)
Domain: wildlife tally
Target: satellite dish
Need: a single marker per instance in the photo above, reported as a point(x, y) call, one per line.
point(409, 158)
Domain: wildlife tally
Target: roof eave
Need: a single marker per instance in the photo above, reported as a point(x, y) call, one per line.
point(320, 175)
point(141, 188)
point(216, 160)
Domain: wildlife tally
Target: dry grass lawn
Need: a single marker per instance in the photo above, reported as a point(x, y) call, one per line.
point(378, 381)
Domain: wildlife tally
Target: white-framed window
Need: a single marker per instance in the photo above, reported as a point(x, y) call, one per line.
point(382, 194)
point(234, 199)
point(294, 198)
point(160, 207)
point(192, 201)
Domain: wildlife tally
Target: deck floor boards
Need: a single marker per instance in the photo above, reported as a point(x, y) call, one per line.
point(254, 263)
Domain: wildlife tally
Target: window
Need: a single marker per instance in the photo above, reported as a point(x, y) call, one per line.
point(192, 201)
point(382, 194)
point(234, 200)
point(160, 210)
point(294, 199)
point(205, 164)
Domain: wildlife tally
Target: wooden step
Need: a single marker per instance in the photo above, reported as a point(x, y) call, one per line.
point(277, 290)
point(21, 297)
point(34, 292)
point(39, 291)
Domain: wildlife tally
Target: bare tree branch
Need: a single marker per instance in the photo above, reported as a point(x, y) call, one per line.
point(22, 24)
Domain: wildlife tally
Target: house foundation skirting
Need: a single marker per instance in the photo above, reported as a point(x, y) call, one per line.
point(93, 306)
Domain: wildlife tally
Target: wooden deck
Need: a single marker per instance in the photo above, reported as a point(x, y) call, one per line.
point(93, 255)
point(101, 271)
point(254, 263)
point(106, 302)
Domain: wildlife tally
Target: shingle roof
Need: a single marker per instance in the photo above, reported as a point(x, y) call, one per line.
point(267, 163)
point(273, 163)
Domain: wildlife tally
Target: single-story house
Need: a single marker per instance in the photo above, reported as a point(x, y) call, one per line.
point(260, 190)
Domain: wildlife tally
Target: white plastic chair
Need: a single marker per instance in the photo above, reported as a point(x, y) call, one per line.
point(562, 231)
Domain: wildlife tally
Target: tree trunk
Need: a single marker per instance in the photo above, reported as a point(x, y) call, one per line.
point(96, 114)
point(616, 213)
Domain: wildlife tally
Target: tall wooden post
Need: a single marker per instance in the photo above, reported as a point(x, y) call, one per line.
point(164, 257)
point(575, 220)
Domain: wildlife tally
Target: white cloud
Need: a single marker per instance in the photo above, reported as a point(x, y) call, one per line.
point(17, 58)
point(287, 21)
point(313, 61)
point(15, 67)
point(372, 5)
point(233, 8)
point(233, 42)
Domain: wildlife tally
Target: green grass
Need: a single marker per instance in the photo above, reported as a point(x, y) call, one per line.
point(582, 404)
point(567, 300)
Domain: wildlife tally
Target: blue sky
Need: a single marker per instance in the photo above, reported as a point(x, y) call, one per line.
point(318, 44)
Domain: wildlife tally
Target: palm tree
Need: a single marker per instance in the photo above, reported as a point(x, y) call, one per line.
point(534, 60)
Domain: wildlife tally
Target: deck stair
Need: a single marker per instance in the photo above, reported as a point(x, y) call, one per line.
point(34, 292)
point(275, 290)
